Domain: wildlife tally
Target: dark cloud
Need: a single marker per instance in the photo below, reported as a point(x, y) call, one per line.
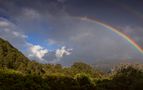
point(55, 20)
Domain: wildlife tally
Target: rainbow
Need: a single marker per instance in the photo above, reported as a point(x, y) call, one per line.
point(126, 37)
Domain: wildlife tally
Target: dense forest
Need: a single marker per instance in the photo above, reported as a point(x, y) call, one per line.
point(18, 72)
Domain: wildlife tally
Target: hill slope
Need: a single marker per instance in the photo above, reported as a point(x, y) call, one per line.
point(10, 57)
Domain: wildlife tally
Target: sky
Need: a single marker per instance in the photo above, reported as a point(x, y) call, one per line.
point(54, 31)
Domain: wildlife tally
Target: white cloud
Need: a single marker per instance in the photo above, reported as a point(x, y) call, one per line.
point(17, 34)
point(37, 51)
point(4, 24)
point(57, 55)
point(62, 51)
point(11, 29)
point(12, 33)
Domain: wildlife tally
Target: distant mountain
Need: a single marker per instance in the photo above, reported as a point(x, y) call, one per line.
point(107, 65)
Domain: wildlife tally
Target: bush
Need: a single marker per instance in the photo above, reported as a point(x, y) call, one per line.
point(125, 78)
point(84, 81)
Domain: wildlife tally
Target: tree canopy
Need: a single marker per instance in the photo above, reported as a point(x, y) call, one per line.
point(18, 72)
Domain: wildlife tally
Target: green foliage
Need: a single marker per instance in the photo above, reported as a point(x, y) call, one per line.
point(80, 67)
point(85, 82)
point(13, 80)
point(19, 73)
point(62, 83)
point(126, 77)
point(129, 76)
point(10, 57)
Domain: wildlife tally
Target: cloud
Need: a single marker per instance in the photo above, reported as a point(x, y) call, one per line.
point(57, 55)
point(62, 1)
point(30, 13)
point(3, 24)
point(56, 23)
point(17, 34)
point(62, 51)
point(37, 51)
point(12, 33)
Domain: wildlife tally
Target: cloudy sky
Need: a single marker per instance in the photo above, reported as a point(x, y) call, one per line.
point(50, 31)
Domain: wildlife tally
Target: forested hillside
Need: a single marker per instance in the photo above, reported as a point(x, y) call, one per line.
point(18, 72)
